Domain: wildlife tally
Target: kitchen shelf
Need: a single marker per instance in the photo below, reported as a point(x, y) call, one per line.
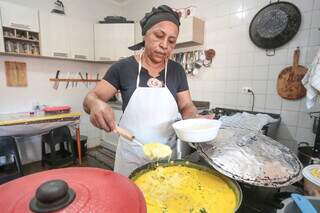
point(22, 42)
point(19, 54)
point(73, 80)
point(21, 39)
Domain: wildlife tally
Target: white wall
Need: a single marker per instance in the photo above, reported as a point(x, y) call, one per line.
point(40, 70)
point(239, 63)
point(91, 10)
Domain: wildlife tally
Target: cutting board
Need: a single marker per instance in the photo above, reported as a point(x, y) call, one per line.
point(16, 74)
point(289, 84)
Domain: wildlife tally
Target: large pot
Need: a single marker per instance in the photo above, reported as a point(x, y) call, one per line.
point(152, 166)
point(306, 154)
point(77, 190)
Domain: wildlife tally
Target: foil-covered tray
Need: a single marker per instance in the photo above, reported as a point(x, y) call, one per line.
point(251, 157)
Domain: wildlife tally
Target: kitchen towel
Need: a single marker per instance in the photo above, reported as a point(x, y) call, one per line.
point(247, 121)
point(311, 81)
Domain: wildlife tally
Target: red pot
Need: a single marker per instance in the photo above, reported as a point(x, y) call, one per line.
point(96, 190)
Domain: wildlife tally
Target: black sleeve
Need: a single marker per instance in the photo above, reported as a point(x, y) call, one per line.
point(113, 75)
point(182, 79)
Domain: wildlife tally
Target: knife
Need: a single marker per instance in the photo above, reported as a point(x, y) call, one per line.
point(87, 79)
point(68, 77)
point(56, 83)
point(82, 78)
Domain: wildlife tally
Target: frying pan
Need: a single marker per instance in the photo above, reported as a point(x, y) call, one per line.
point(275, 25)
point(153, 165)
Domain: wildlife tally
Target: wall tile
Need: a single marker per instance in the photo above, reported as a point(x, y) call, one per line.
point(305, 5)
point(272, 87)
point(314, 37)
point(305, 135)
point(273, 102)
point(249, 4)
point(260, 102)
point(315, 23)
point(260, 58)
point(305, 120)
point(316, 5)
point(289, 118)
point(259, 87)
point(245, 73)
point(292, 105)
point(246, 59)
point(274, 71)
point(236, 6)
point(260, 73)
point(312, 51)
point(306, 20)
point(279, 58)
point(231, 87)
point(287, 132)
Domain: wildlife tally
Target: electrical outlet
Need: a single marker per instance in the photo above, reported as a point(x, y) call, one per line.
point(246, 89)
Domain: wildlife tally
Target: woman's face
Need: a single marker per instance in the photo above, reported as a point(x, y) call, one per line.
point(160, 40)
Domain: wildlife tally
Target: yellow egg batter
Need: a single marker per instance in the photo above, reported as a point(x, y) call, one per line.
point(315, 173)
point(179, 189)
point(156, 151)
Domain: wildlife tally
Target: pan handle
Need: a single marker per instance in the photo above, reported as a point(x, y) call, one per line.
point(268, 53)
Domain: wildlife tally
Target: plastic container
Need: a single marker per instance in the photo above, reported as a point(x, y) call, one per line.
point(291, 207)
point(311, 176)
point(197, 130)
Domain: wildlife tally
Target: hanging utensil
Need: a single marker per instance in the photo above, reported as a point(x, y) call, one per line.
point(68, 78)
point(56, 83)
point(82, 79)
point(289, 85)
point(275, 25)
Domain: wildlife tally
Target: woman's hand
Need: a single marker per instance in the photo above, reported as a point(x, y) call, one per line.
point(102, 116)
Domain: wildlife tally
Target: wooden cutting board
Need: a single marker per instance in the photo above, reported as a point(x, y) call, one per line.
point(16, 74)
point(289, 84)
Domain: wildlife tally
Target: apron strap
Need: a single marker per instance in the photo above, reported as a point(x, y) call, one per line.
point(140, 66)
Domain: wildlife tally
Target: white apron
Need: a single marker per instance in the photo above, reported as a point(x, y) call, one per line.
point(148, 115)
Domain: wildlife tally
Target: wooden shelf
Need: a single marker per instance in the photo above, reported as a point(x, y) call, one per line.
point(20, 54)
point(21, 39)
point(73, 80)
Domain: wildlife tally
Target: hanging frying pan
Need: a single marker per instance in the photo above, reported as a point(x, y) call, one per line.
point(275, 25)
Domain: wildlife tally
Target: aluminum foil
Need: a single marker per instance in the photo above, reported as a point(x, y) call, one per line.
point(251, 157)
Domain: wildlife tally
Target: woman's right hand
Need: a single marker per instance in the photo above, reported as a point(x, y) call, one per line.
point(102, 116)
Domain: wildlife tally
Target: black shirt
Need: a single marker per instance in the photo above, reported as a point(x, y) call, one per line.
point(123, 76)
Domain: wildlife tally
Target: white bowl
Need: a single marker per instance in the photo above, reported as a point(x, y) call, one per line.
point(197, 130)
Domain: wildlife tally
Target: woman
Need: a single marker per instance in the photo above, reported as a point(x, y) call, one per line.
point(154, 91)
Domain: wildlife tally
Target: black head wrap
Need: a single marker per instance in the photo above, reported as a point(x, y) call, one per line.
point(162, 13)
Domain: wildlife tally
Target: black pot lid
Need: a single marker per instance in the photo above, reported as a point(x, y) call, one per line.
point(275, 25)
point(251, 157)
